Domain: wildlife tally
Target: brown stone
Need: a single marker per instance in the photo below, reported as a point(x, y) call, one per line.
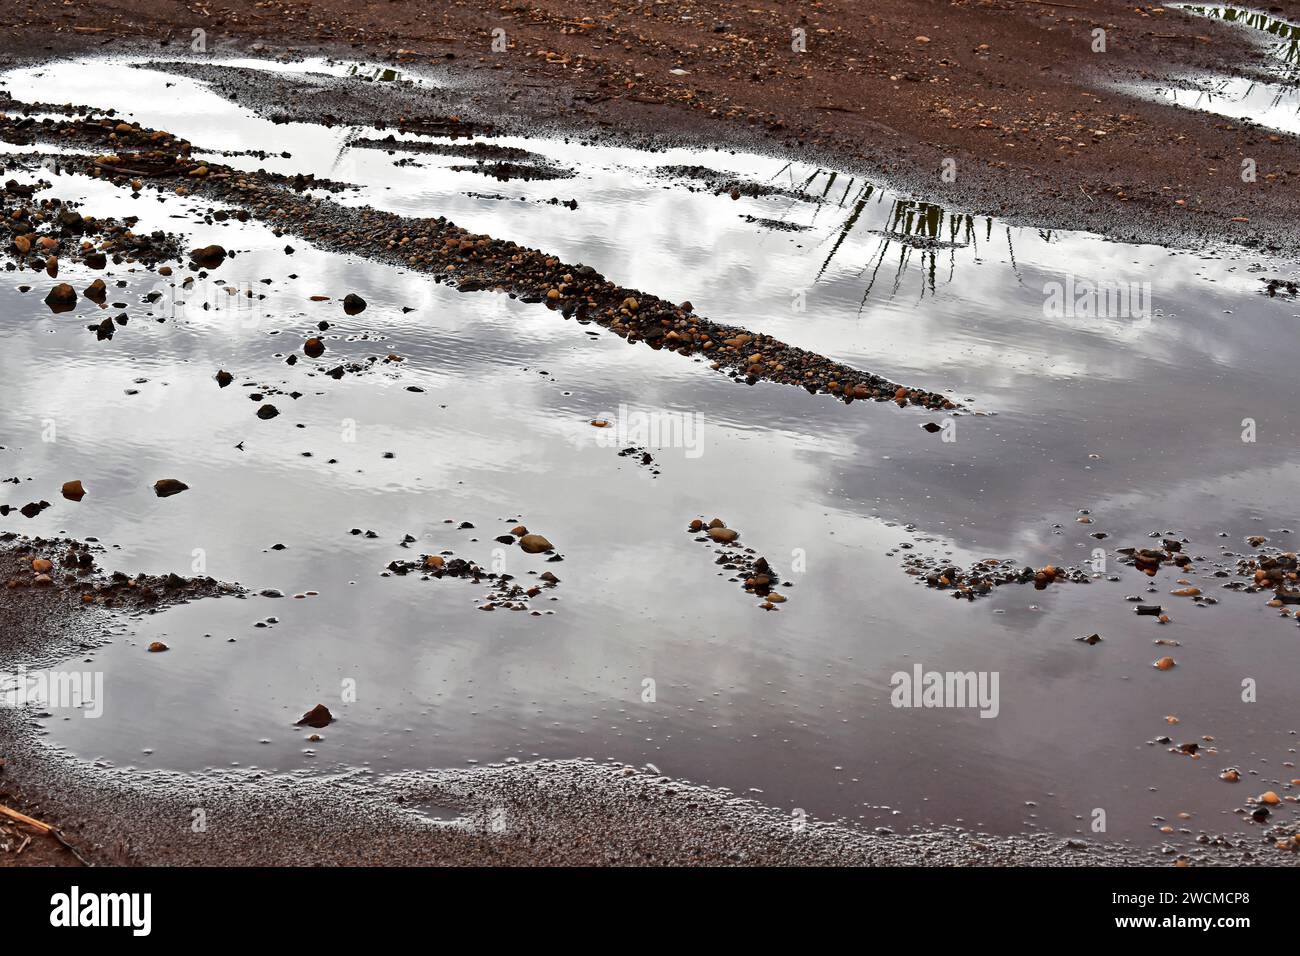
point(166, 487)
point(319, 716)
point(534, 543)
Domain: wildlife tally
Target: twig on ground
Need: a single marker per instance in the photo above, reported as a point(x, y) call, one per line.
point(45, 828)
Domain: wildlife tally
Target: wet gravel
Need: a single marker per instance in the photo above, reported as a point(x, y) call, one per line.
point(41, 233)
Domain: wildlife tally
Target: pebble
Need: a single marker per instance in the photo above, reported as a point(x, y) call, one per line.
point(209, 257)
point(319, 716)
point(534, 544)
point(62, 298)
point(166, 487)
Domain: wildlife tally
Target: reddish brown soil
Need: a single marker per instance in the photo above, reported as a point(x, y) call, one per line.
point(1010, 89)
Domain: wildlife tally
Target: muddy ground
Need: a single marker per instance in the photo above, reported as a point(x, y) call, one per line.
point(1009, 89)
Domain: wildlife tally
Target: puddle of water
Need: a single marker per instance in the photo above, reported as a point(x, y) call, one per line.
point(1274, 105)
point(1138, 419)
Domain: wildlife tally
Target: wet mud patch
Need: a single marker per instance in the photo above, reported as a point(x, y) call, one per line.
point(485, 152)
point(922, 242)
point(720, 184)
point(777, 225)
point(548, 812)
point(451, 127)
point(56, 588)
point(320, 92)
point(67, 570)
point(509, 171)
point(1258, 95)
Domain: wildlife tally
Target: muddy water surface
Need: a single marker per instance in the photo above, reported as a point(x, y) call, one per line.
point(1137, 419)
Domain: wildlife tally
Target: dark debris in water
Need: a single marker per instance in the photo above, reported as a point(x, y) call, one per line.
point(981, 578)
point(476, 150)
point(753, 572)
point(642, 457)
point(1286, 288)
point(720, 183)
point(777, 225)
point(508, 171)
point(1270, 570)
point(505, 591)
